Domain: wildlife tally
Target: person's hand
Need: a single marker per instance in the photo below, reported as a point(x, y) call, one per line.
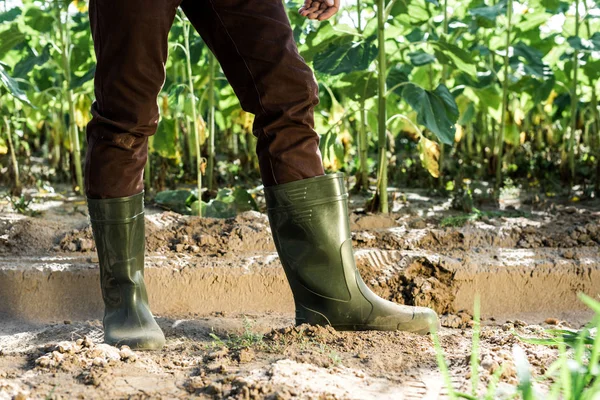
point(319, 9)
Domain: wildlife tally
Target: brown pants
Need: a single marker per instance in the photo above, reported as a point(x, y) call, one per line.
point(252, 40)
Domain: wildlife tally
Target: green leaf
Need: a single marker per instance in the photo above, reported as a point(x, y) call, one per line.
point(590, 302)
point(359, 84)
point(10, 15)
point(533, 20)
point(525, 385)
point(346, 55)
point(13, 88)
point(40, 20)
point(175, 200)
point(448, 53)
point(419, 58)
point(26, 64)
point(165, 139)
point(468, 115)
point(398, 74)
point(528, 61)
point(416, 35)
point(227, 204)
point(78, 81)
point(489, 13)
point(592, 69)
point(591, 44)
point(400, 7)
point(491, 99)
point(10, 38)
point(436, 110)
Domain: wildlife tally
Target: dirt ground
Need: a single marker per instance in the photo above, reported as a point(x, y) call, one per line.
point(262, 355)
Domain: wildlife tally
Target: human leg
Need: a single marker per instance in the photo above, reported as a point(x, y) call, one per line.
point(130, 42)
point(308, 211)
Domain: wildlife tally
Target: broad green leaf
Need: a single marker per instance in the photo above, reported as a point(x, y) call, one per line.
point(591, 44)
point(483, 79)
point(77, 81)
point(320, 39)
point(592, 69)
point(457, 56)
point(10, 15)
point(345, 55)
point(400, 7)
point(555, 6)
point(416, 35)
point(533, 20)
point(419, 58)
point(26, 64)
point(227, 204)
point(528, 61)
point(468, 115)
point(358, 84)
point(40, 20)
point(490, 13)
point(13, 88)
point(491, 99)
point(175, 200)
point(398, 74)
point(10, 38)
point(436, 110)
point(165, 139)
point(417, 13)
point(512, 135)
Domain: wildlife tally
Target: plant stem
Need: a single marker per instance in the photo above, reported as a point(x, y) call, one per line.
point(211, 121)
point(597, 130)
point(363, 140)
point(500, 141)
point(13, 156)
point(574, 100)
point(72, 126)
point(188, 61)
point(381, 115)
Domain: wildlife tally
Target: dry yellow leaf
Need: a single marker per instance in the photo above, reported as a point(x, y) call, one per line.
point(550, 101)
point(429, 153)
point(458, 134)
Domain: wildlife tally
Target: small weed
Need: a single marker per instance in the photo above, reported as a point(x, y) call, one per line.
point(575, 375)
point(247, 339)
point(461, 220)
point(21, 205)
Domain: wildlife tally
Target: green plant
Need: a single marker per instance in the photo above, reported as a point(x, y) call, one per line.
point(22, 204)
point(247, 339)
point(575, 375)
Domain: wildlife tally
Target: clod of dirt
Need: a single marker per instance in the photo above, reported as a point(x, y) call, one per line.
point(10, 390)
point(82, 354)
point(460, 320)
point(246, 355)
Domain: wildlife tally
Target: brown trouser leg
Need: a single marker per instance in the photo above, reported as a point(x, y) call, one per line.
point(253, 42)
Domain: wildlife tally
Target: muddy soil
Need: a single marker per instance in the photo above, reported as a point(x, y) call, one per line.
point(243, 357)
point(263, 355)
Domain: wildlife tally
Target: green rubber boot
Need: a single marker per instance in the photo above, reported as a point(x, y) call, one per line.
point(309, 221)
point(118, 226)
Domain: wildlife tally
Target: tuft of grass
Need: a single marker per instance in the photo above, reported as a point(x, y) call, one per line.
point(460, 220)
point(21, 205)
point(247, 339)
point(575, 375)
